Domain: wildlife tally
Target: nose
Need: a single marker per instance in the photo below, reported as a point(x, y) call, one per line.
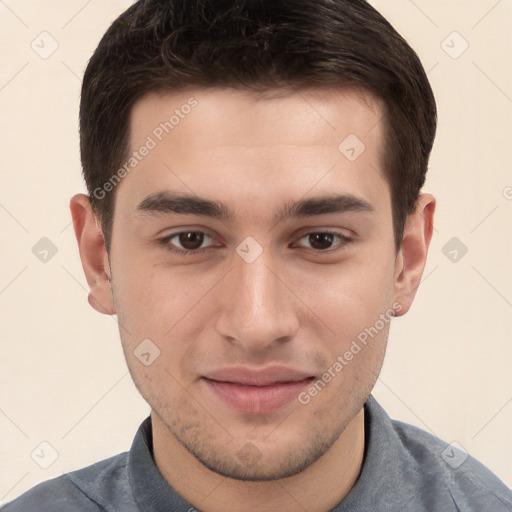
point(257, 307)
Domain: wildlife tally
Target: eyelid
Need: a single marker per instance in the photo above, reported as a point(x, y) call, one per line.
point(165, 241)
point(344, 239)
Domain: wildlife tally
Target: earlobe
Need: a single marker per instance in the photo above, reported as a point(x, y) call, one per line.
point(93, 254)
point(411, 258)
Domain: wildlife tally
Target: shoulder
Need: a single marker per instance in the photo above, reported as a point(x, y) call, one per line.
point(447, 469)
point(98, 487)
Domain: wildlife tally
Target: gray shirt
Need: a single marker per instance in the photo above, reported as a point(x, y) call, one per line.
point(405, 470)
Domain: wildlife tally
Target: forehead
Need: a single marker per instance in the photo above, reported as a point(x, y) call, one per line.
point(312, 115)
point(245, 145)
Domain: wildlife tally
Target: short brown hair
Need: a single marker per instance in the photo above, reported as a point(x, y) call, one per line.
point(262, 45)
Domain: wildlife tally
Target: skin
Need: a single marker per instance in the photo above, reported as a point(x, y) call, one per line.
point(295, 305)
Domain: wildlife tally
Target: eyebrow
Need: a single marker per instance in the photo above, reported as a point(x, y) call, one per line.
point(167, 202)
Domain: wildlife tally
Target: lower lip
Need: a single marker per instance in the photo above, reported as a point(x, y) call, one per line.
point(257, 399)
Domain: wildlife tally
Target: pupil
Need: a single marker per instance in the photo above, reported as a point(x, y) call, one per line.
point(321, 240)
point(191, 240)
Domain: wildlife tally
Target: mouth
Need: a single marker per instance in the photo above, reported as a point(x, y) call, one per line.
point(256, 391)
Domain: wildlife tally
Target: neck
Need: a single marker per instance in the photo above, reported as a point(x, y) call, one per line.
point(318, 488)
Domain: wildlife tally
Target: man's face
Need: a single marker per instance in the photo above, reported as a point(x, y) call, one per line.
point(269, 295)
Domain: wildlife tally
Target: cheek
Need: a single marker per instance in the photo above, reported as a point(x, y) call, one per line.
point(156, 298)
point(169, 307)
point(348, 297)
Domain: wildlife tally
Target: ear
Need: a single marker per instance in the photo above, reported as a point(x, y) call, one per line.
point(93, 254)
point(411, 258)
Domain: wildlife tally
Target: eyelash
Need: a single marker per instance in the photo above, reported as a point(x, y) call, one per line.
point(165, 242)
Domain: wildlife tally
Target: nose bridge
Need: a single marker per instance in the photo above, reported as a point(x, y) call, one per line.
point(257, 286)
point(257, 308)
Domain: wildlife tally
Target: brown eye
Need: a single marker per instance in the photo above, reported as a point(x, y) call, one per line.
point(187, 242)
point(323, 241)
point(191, 240)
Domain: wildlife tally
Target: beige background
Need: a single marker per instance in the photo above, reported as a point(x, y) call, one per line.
point(63, 379)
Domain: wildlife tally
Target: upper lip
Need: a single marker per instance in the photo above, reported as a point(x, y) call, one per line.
point(257, 376)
